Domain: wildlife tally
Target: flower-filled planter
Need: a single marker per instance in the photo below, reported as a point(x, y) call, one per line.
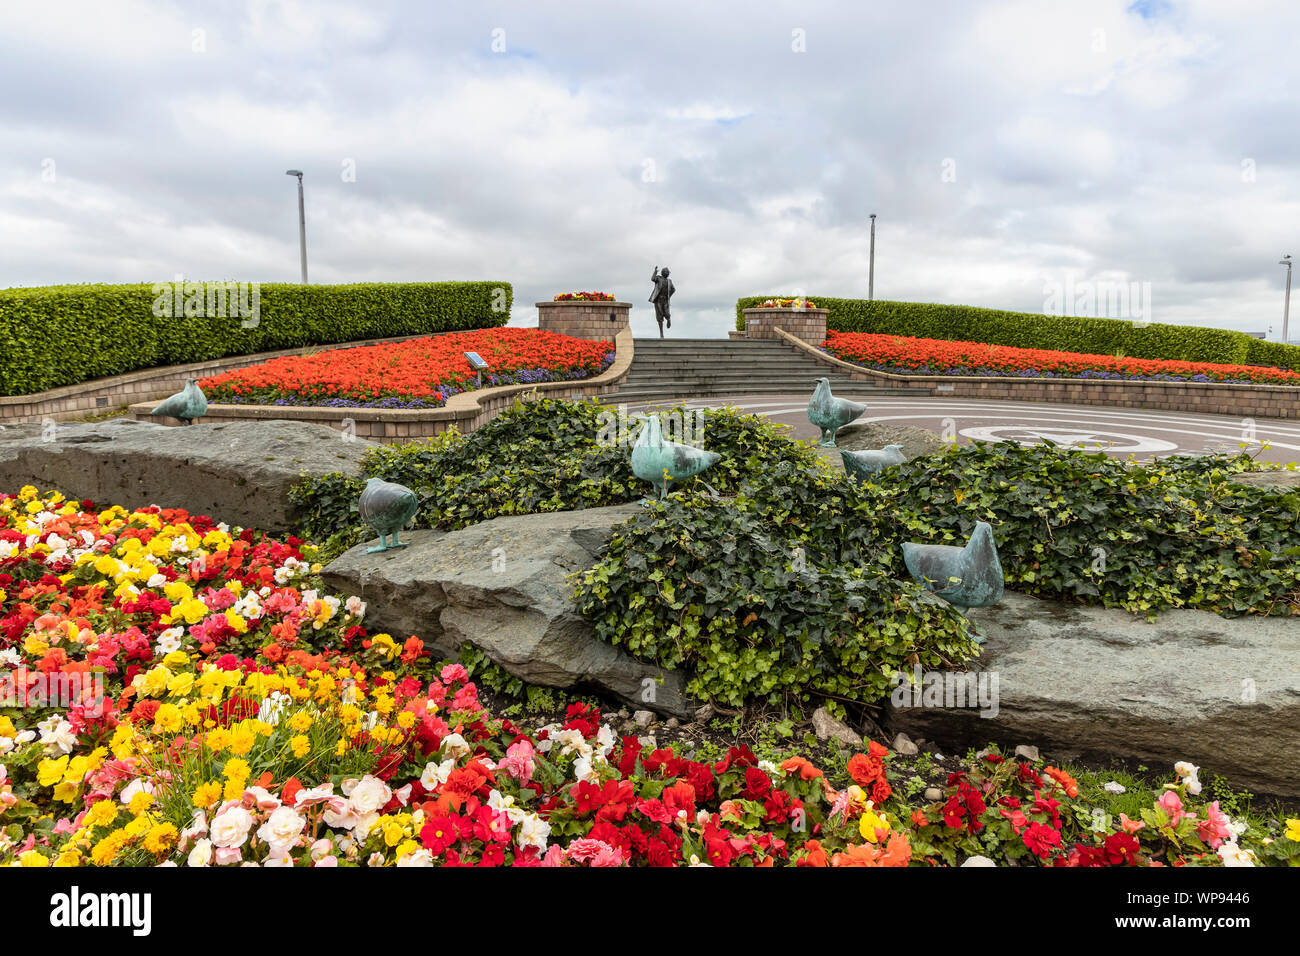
point(584, 315)
point(584, 297)
point(804, 321)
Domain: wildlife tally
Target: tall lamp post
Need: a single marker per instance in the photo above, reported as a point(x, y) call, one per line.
point(1286, 303)
point(871, 267)
point(302, 223)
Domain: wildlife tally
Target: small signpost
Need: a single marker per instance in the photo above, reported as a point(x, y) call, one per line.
point(477, 364)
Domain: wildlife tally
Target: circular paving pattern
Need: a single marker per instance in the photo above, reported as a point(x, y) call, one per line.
point(1123, 432)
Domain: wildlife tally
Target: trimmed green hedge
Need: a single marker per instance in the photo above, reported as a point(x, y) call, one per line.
point(964, 323)
point(61, 335)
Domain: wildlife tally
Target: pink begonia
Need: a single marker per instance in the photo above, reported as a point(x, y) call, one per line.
point(1172, 804)
point(327, 861)
point(518, 761)
point(1215, 828)
point(554, 856)
point(454, 672)
point(595, 852)
point(466, 698)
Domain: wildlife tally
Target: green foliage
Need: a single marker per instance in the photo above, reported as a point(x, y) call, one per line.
point(964, 323)
point(766, 597)
point(535, 457)
point(61, 335)
point(1143, 536)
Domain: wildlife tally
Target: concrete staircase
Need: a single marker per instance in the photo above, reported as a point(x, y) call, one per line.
point(664, 369)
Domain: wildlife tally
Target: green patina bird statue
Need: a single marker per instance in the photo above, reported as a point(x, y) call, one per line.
point(829, 413)
point(864, 464)
point(964, 577)
point(387, 507)
point(187, 404)
point(663, 462)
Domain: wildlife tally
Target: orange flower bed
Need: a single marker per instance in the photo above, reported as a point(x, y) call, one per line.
point(417, 373)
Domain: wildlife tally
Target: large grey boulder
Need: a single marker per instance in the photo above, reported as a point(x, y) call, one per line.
point(863, 435)
point(236, 472)
point(1100, 683)
point(1276, 480)
point(502, 585)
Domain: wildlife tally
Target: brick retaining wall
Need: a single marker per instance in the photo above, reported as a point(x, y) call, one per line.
point(465, 410)
point(1244, 401)
point(105, 394)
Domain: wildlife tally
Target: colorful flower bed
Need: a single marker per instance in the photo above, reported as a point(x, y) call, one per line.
point(913, 356)
point(417, 373)
point(248, 718)
point(787, 304)
point(584, 297)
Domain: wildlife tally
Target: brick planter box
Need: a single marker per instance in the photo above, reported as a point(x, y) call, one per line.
point(807, 325)
point(595, 321)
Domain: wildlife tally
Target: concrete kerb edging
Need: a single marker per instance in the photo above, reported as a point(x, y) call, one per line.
point(466, 410)
point(929, 381)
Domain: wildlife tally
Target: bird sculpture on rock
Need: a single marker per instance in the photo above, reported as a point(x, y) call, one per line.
point(864, 464)
point(964, 577)
point(663, 462)
point(387, 507)
point(187, 404)
point(829, 413)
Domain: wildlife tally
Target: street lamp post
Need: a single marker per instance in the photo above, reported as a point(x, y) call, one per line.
point(302, 223)
point(871, 267)
point(1286, 303)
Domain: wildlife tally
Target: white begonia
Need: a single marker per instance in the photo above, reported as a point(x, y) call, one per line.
point(57, 734)
point(533, 831)
point(201, 855)
point(978, 861)
point(420, 857)
point(230, 827)
point(1234, 855)
point(436, 774)
point(282, 829)
point(156, 580)
point(355, 606)
point(453, 746)
point(169, 640)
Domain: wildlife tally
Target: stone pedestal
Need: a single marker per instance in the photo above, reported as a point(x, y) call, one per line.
point(806, 324)
point(584, 320)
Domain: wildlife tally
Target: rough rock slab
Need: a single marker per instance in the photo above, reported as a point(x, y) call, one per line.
point(1277, 479)
point(1100, 683)
point(502, 586)
point(864, 435)
point(236, 472)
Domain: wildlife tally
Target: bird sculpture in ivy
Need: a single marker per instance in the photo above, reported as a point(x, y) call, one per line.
point(662, 462)
point(865, 464)
point(829, 413)
point(965, 577)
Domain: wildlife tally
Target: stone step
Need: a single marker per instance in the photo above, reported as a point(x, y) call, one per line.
point(676, 390)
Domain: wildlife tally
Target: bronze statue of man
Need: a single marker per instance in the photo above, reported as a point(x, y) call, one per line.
point(663, 291)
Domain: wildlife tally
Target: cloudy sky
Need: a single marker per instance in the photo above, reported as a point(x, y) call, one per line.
point(1007, 147)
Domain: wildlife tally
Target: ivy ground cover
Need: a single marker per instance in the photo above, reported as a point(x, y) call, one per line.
point(417, 373)
point(915, 356)
point(248, 718)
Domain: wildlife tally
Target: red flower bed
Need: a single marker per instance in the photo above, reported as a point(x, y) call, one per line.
point(913, 356)
point(417, 373)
